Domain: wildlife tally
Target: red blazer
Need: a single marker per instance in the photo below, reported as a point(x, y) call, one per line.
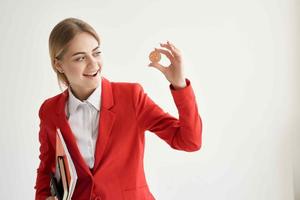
point(126, 113)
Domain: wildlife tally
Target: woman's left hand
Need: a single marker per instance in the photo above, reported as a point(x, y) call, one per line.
point(173, 72)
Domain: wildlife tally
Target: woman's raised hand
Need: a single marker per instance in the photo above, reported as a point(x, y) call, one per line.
point(174, 72)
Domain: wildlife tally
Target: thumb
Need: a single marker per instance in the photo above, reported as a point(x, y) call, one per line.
point(157, 66)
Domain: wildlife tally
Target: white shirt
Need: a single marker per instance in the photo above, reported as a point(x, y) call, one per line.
point(83, 117)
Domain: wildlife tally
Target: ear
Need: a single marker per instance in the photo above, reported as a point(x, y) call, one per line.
point(57, 65)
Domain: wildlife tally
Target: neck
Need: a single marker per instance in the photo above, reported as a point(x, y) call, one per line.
point(82, 94)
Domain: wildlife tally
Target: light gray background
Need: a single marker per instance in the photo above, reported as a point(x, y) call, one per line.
point(240, 55)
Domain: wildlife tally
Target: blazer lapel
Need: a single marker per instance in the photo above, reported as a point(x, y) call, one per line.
point(68, 135)
point(106, 121)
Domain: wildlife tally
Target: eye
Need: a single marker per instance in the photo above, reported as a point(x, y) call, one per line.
point(80, 58)
point(98, 53)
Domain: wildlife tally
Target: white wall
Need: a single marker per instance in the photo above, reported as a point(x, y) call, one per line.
point(241, 57)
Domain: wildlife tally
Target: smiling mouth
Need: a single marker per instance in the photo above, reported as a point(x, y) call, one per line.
point(92, 75)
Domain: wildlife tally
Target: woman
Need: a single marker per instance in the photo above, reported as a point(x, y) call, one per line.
point(103, 122)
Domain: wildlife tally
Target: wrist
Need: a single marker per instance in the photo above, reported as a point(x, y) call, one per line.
point(179, 85)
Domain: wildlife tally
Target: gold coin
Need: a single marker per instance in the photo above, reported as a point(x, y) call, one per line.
point(154, 56)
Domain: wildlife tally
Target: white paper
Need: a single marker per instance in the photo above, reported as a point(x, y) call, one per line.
point(73, 173)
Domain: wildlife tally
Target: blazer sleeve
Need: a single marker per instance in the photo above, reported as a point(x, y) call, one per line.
point(46, 156)
point(184, 133)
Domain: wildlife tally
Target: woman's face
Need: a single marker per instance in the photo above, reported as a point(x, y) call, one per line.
point(82, 62)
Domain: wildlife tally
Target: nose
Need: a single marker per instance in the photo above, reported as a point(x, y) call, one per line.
point(92, 62)
point(91, 58)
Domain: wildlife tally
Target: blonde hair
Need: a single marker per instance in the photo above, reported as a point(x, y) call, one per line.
point(59, 39)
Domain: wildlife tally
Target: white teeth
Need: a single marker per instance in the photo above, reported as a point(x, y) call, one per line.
point(91, 74)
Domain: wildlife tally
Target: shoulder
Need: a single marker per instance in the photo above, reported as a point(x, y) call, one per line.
point(49, 105)
point(127, 87)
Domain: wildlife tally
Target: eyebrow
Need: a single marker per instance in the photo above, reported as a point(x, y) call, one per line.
point(83, 52)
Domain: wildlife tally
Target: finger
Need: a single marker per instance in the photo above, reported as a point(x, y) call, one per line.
point(165, 45)
point(165, 52)
point(178, 52)
point(173, 49)
point(172, 45)
point(158, 66)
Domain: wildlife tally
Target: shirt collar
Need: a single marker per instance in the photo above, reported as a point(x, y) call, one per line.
point(94, 99)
